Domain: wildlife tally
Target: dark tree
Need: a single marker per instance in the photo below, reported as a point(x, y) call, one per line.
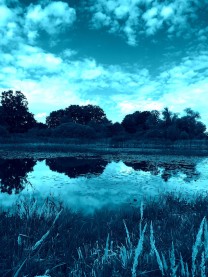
point(115, 129)
point(168, 117)
point(15, 112)
point(86, 114)
point(2, 120)
point(74, 130)
point(77, 114)
point(55, 118)
point(129, 123)
point(138, 121)
point(153, 119)
point(190, 124)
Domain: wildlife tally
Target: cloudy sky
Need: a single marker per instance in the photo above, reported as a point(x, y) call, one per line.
point(123, 55)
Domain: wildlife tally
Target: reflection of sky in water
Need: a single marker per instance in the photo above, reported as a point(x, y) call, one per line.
point(117, 185)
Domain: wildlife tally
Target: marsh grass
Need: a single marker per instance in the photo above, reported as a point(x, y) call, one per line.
point(165, 238)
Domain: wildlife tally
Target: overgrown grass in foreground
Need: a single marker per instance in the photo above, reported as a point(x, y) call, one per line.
point(169, 238)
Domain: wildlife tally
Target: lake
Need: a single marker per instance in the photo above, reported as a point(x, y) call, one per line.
point(88, 184)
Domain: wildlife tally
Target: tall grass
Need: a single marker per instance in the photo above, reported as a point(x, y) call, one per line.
point(169, 239)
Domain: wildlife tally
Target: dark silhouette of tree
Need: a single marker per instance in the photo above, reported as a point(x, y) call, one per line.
point(15, 112)
point(55, 118)
point(172, 132)
point(2, 120)
point(153, 119)
point(138, 125)
point(40, 125)
point(13, 174)
point(77, 114)
point(73, 130)
point(167, 116)
point(115, 129)
point(139, 121)
point(189, 124)
point(75, 167)
point(86, 114)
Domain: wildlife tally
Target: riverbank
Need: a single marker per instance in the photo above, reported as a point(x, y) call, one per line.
point(40, 150)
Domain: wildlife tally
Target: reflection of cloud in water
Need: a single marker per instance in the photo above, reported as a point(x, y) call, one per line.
point(118, 184)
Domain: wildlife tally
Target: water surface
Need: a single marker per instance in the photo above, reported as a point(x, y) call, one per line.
point(88, 184)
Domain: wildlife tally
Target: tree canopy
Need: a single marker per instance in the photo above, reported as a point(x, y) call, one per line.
point(77, 114)
point(14, 112)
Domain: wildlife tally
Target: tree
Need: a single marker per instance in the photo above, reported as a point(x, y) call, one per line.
point(167, 116)
point(77, 114)
point(55, 118)
point(137, 121)
point(2, 121)
point(190, 124)
point(115, 129)
point(74, 130)
point(15, 112)
point(86, 114)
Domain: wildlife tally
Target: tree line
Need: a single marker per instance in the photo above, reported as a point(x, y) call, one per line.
point(91, 122)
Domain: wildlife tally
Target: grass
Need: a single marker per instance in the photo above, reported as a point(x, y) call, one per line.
point(165, 238)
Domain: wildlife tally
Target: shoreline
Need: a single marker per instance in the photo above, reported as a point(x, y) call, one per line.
point(55, 150)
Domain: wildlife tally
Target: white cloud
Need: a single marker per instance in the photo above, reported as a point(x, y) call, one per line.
point(52, 18)
point(20, 23)
point(184, 85)
point(51, 82)
point(5, 15)
point(131, 18)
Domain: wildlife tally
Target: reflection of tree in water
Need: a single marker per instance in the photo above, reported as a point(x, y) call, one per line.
point(169, 170)
point(172, 169)
point(13, 174)
point(75, 167)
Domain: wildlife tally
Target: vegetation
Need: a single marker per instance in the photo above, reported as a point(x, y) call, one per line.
point(14, 112)
point(167, 237)
point(90, 123)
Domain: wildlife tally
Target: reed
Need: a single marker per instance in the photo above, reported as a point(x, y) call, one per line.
point(169, 239)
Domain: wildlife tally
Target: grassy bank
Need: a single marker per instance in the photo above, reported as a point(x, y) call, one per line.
point(169, 238)
point(21, 147)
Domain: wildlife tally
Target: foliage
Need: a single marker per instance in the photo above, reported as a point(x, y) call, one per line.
point(74, 130)
point(77, 114)
point(15, 113)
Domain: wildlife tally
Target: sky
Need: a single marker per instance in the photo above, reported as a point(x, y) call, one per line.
point(122, 55)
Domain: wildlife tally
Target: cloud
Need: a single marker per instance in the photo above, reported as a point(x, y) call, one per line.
point(180, 86)
point(51, 18)
point(9, 23)
point(133, 18)
point(55, 80)
point(51, 82)
point(21, 23)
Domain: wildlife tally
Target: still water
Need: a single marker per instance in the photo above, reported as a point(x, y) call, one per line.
point(87, 184)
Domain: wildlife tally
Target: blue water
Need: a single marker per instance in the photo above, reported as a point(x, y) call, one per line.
point(86, 185)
